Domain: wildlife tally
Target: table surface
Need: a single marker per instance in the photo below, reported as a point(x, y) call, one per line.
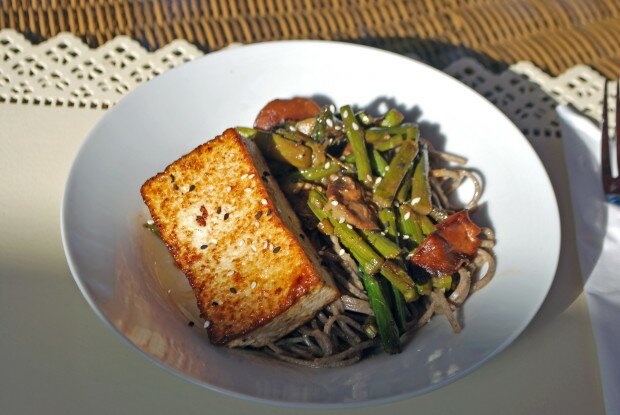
point(554, 34)
point(56, 356)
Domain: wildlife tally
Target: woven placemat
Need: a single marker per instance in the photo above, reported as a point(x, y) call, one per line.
point(553, 34)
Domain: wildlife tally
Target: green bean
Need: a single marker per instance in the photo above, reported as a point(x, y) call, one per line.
point(386, 190)
point(408, 226)
point(355, 134)
point(382, 244)
point(378, 163)
point(389, 144)
point(392, 118)
point(420, 188)
point(388, 331)
point(276, 147)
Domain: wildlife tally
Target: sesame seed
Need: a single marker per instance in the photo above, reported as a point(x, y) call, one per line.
point(228, 189)
point(244, 176)
point(332, 108)
point(169, 291)
point(355, 126)
point(215, 304)
point(258, 214)
point(263, 202)
point(406, 237)
point(349, 226)
point(383, 233)
point(175, 187)
point(415, 200)
point(203, 246)
point(150, 222)
point(321, 252)
point(409, 255)
point(271, 247)
point(233, 290)
point(230, 273)
point(335, 202)
point(253, 285)
point(226, 215)
point(365, 119)
point(302, 236)
point(248, 190)
point(219, 210)
point(337, 128)
point(396, 204)
point(265, 245)
point(268, 212)
point(345, 114)
point(241, 242)
point(192, 187)
point(407, 215)
point(213, 241)
point(341, 220)
point(327, 165)
point(191, 324)
point(387, 168)
point(369, 177)
point(341, 252)
point(329, 122)
point(378, 180)
point(207, 324)
point(276, 249)
point(172, 177)
point(254, 248)
point(256, 223)
point(251, 176)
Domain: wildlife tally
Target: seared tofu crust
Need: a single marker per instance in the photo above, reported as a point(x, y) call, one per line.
point(230, 230)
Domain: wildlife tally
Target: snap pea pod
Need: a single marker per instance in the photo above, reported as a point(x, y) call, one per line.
point(388, 331)
point(389, 144)
point(278, 148)
point(386, 190)
point(408, 226)
point(316, 173)
point(382, 244)
point(420, 187)
point(355, 134)
point(392, 118)
point(378, 163)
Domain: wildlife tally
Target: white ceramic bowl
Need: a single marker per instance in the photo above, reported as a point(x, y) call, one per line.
point(126, 275)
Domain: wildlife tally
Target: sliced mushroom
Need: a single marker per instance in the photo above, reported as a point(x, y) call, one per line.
point(346, 200)
point(280, 110)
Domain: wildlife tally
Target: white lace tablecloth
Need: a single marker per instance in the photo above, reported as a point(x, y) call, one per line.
point(58, 357)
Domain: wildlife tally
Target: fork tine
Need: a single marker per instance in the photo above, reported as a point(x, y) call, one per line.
point(605, 165)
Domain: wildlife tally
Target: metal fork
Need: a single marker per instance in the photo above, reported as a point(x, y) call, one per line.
point(611, 185)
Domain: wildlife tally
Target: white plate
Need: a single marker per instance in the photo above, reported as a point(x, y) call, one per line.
point(119, 269)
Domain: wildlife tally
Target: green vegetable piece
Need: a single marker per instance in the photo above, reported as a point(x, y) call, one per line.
point(317, 173)
point(370, 327)
point(386, 190)
point(320, 128)
point(408, 225)
point(425, 224)
point(355, 134)
point(365, 119)
point(424, 288)
point(388, 331)
point(392, 118)
point(382, 244)
point(388, 219)
point(389, 144)
point(246, 132)
point(400, 309)
point(420, 187)
point(378, 163)
point(399, 279)
point(442, 281)
point(278, 148)
point(404, 191)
